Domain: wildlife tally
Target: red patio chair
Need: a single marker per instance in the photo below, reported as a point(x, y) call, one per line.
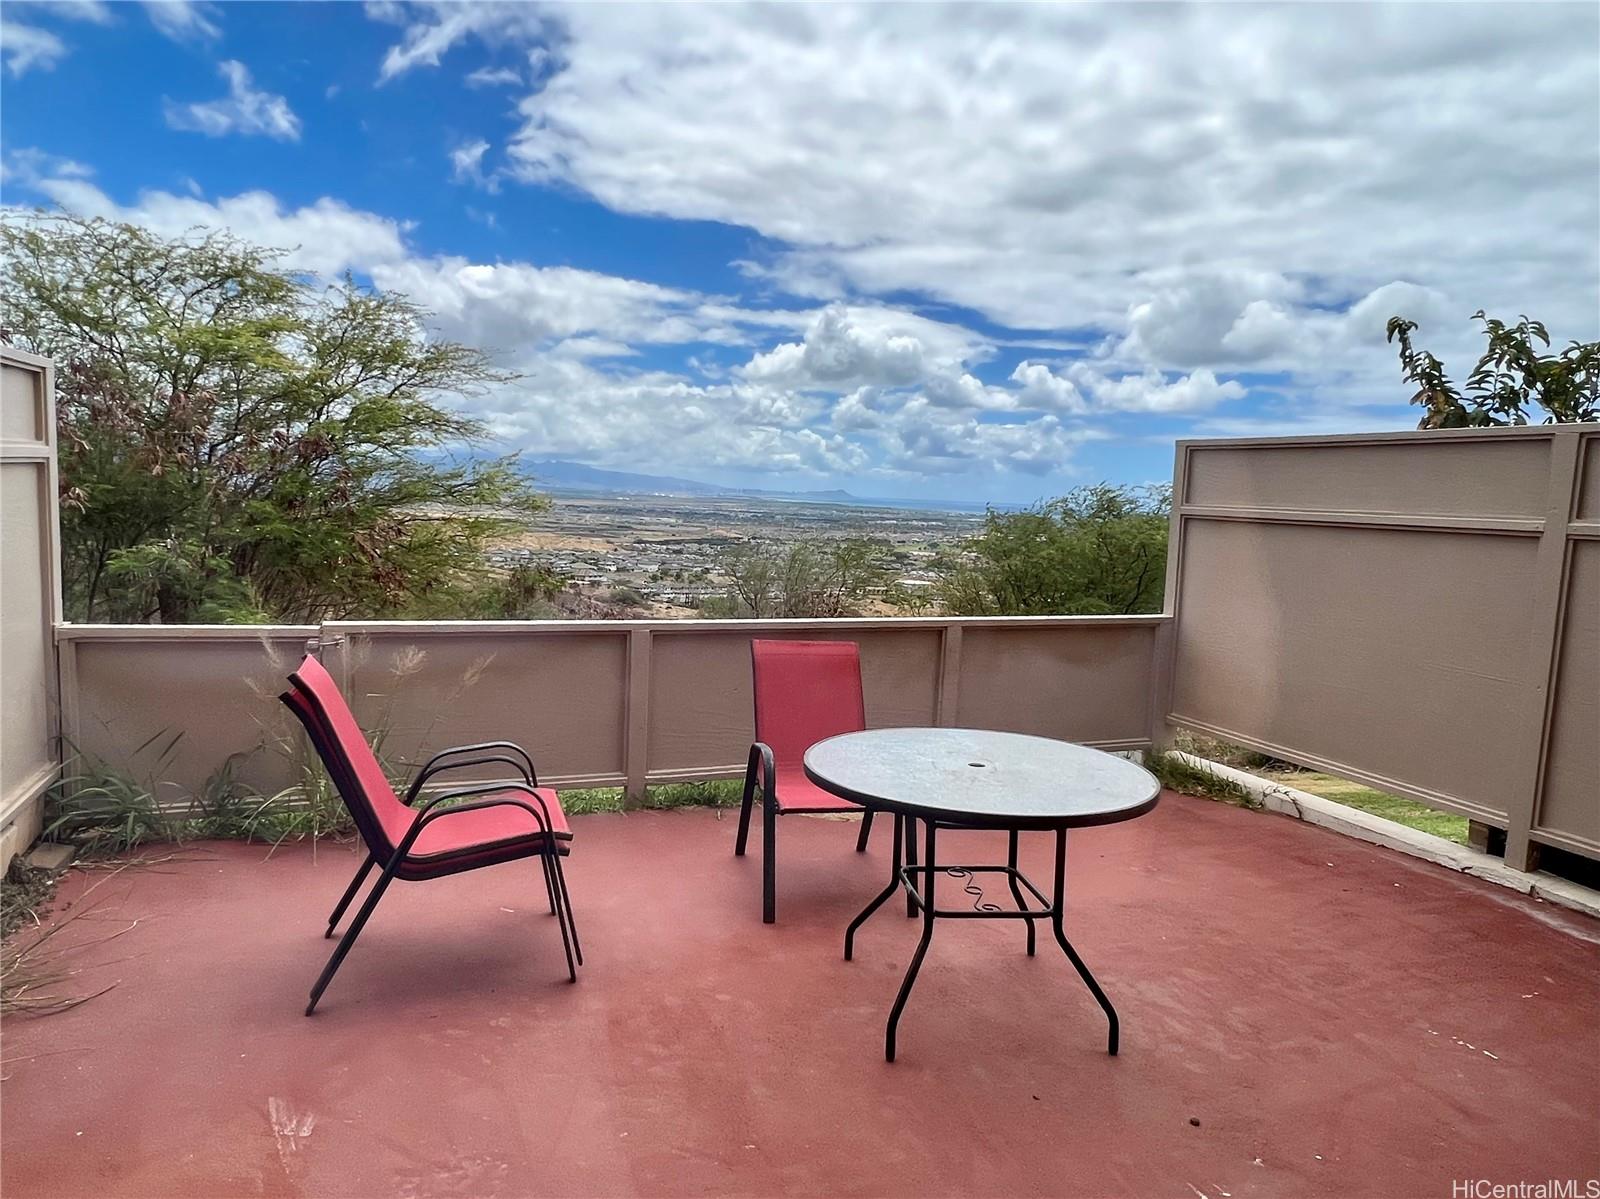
point(510, 821)
point(805, 691)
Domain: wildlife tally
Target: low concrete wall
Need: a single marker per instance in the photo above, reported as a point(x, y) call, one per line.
point(607, 703)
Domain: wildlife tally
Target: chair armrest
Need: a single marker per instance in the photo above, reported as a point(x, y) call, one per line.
point(761, 753)
point(530, 775)
point(435, 766)
point(426, 814)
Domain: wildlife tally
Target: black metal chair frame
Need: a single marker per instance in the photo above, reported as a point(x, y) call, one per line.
point(549, 853)
point(761, 774)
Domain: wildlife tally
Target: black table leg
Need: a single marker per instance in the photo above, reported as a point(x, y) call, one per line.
point(911, 860)
point(1016, 891)
point(883, 896)
point(928, 890)
point(1072, 954)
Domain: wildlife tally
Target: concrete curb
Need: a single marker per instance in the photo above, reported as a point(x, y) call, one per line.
point(1364, 826)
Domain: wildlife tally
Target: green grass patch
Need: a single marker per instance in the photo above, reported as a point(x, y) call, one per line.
point(721, 793)
point(1379, 803)
point(1191, 780)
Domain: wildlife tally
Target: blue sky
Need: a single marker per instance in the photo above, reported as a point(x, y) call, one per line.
point(902, 250)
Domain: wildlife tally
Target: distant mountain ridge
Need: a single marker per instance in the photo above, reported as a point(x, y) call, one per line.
point(558, 474)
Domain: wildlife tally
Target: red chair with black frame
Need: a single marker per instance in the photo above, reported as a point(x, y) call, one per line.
point(805, 692)
point(505, 822)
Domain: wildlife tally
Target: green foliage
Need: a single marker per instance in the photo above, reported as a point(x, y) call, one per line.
point(110, 809)
point(1096, 551)
point(1178, 774)
point(717, 793)
point(525, 592)
point(238, 444)
point(1240, 757)
point(629, 597)
point(310, 809)
point(799, 579)
point(1511, 378)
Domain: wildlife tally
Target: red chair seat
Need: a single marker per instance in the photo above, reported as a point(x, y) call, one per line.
point(486, 829)
point(797, 793)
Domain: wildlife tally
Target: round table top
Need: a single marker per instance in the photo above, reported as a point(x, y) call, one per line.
point(973, 776)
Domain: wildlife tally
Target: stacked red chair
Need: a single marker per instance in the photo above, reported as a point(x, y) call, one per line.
point(412, 841)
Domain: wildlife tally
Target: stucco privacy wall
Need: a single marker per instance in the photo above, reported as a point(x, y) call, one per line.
point(172, 705)
point(612, 703)
point(29, 595)
point(630, 703)
point(1418, 610)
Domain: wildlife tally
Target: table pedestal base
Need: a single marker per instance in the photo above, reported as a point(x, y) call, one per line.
point(906, 870)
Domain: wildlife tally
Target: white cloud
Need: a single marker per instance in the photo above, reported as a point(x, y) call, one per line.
point(26, 47)
point(1154, 392)
point(920, 438)
point(183, 20)
point(324, 238)
point(1081, 167)
point(431, 29)
point(1040, 387)
point(1084, 387)
point(518, 307)
point(244, 110)
point(857, 390)
point(95, 12)
point(28, 166)
point(466, 165)
point(844, 348)
point(566, 407)
point(881, 351)
point(1190, 313)
point(494, 77)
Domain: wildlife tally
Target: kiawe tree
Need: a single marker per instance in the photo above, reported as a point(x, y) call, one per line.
point(1513, 376)
point(1096, 551)
point(809, 578)
point(240, 442)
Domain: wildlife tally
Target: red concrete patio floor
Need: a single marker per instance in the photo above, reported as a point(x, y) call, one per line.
point(1302, 1015)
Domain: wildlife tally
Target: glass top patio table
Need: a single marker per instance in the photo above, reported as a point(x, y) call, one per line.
point(973, 778)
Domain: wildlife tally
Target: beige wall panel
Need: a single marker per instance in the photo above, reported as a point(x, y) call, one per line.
point(1084, 684)
point(1588, 505)
point(1571, 801)
point(21, 832)
point(1400, 653)
point(1479, 477)
point(562, 696)
point(701, 713)
point(221, 694)
point(26, 661)
point(29, 597)
point(21, 409)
